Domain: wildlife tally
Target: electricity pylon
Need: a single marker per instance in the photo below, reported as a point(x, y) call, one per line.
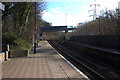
point(94, 10)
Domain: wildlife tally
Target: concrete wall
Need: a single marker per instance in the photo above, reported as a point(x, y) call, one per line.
point(23, 53)
point(0, 31)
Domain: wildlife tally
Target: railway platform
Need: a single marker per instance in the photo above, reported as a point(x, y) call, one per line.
point(46, 64)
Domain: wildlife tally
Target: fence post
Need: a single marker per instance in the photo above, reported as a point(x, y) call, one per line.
point(6, 52)
point(5, 56)
point(8, 48)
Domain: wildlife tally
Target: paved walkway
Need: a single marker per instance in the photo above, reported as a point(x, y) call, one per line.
point(45, 64)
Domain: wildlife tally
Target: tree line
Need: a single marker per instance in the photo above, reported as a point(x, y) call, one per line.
point(18, 20)
point(109, 25)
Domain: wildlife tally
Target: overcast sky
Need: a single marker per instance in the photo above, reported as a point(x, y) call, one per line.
point(74, 11)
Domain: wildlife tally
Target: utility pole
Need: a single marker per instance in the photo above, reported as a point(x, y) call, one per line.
point(66, 19)
point(119, 17)
point(94, 10)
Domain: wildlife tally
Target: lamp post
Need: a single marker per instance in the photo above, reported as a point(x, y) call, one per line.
point(99, 31)
point(99, 27)
point(35, 44)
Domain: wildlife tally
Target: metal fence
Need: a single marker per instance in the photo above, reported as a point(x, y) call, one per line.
point(112, 41)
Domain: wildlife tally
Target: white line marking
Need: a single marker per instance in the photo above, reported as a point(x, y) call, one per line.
point(72, 65)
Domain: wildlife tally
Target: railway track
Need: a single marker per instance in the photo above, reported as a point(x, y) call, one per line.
point(90, 67)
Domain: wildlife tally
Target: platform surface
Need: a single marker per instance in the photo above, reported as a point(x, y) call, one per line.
point(45, 64)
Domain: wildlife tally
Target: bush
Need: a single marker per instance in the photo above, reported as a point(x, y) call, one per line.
point(15, 42)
